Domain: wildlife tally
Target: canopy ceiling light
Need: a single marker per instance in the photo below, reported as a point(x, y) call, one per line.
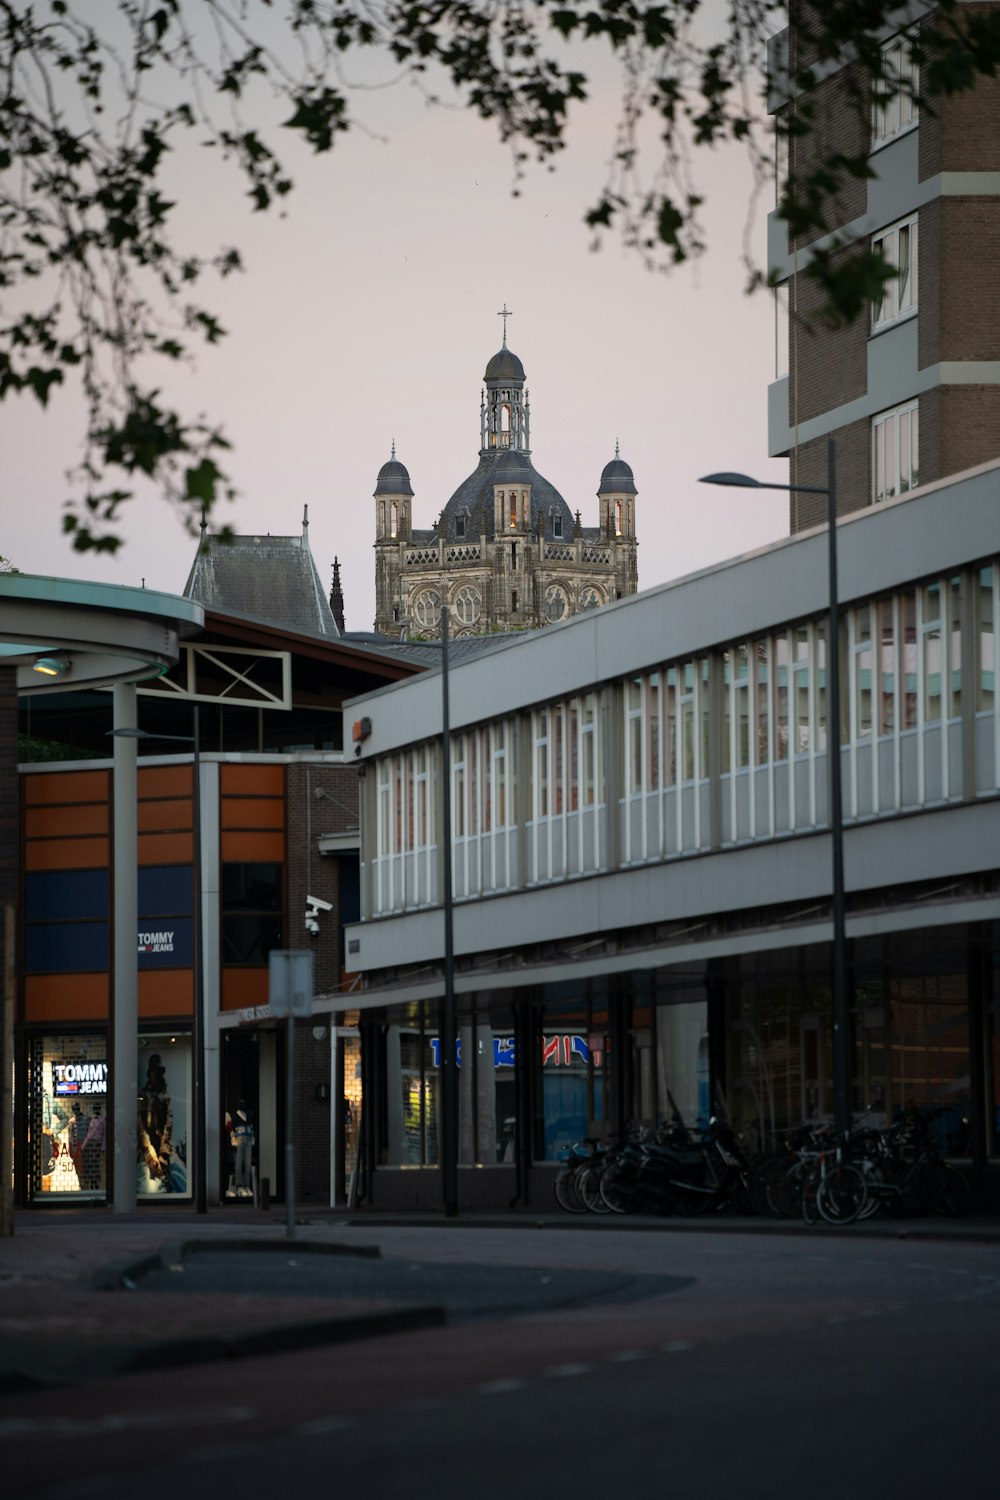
point(52, 666)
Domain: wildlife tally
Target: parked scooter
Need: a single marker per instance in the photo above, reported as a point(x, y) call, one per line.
point(679, 1172)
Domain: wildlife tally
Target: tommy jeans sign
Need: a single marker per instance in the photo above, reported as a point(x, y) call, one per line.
point(80, 1078)
point(156, 942)
point(165, 943)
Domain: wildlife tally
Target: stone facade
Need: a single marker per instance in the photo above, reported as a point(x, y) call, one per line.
point(507, 552)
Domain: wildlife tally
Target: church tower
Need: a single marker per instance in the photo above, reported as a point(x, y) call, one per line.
point(505, 552)
point(393, 532)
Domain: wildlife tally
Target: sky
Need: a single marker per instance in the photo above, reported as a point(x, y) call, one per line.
point(367, 316)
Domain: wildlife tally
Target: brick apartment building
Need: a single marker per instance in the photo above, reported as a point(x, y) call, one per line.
point(911, 393)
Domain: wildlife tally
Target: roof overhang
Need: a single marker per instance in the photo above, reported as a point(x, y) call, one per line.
point(100, 634)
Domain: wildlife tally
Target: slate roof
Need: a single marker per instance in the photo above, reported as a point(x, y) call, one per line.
point(393, 479)
point(617, 479)
point(505, 366)
point(428, 653)
point(268, 578)
point(474, 500)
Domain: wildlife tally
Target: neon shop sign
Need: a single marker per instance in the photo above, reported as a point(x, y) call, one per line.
point(80, 1078)
point(557, 1051)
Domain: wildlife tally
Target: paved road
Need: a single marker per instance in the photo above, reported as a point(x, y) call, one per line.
point(764, 1367)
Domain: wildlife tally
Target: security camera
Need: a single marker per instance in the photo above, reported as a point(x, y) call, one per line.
point(312, 926)
point(317, 904)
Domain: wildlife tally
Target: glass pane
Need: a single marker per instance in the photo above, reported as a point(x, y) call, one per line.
point(908, 632)
point(986, 665)
point(932, 675)
point(820, 687)
point(163, 1116)
point(953, 707)
point(887, 669)
point(68, 1130)
point(762, 725)
point(781, 698)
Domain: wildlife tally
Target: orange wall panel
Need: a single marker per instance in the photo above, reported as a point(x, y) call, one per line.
point(166, 992)
point(252, 846)
point(243, 987)
point(157, 817)
point(65, 822)
point(66, 854)
point(253, 812)
point(253, 781)
point(166, 848)
point(66, 997)
point(164, 781)
point(67, 786)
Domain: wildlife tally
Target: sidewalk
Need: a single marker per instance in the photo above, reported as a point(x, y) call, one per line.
point(86, 1294)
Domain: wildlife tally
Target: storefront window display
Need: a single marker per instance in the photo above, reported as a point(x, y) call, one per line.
point(163, 1116)
point(68, 1126)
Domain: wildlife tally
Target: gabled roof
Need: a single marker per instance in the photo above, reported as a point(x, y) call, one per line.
point(268, 578)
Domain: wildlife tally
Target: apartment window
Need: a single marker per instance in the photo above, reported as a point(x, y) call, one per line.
point(895, 452)
point(894, 95)
point(898, 244)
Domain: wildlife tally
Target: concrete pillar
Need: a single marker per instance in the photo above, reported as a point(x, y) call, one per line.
point(125, 996)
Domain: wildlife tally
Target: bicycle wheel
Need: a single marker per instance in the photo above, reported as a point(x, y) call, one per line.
point(875, 1186)
point(842, 1194)
point(784, 1192)
point(948, 1193)
point(565, 1192)
point(809, 1185)
point(588, 1187)
point(617, 1189)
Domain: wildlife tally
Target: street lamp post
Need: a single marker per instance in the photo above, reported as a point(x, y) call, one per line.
point(448, 1062)
point(842, 1059)
point(198, 1037)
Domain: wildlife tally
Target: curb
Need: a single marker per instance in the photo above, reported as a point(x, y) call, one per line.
point(122, 1275)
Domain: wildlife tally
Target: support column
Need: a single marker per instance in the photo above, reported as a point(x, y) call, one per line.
point(125, 974)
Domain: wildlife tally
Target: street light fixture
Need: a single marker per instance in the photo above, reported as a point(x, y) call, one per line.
point(198, 1038)
point(842, 1058)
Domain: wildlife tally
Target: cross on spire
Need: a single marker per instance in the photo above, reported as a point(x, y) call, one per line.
point(505, 313)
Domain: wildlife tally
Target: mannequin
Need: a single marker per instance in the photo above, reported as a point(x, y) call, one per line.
point(241, 1136)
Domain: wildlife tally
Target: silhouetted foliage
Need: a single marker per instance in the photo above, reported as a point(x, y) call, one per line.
point(95, 286)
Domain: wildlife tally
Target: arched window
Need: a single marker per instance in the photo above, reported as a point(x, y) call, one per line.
point(467, 606)
point(427, 609)
point(590, 599)
point(393, 518)
point(555, 603)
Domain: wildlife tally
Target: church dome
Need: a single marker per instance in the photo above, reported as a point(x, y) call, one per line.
point(393, 479)
point(616, 478)
point(504, 365)
point(513, 467)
